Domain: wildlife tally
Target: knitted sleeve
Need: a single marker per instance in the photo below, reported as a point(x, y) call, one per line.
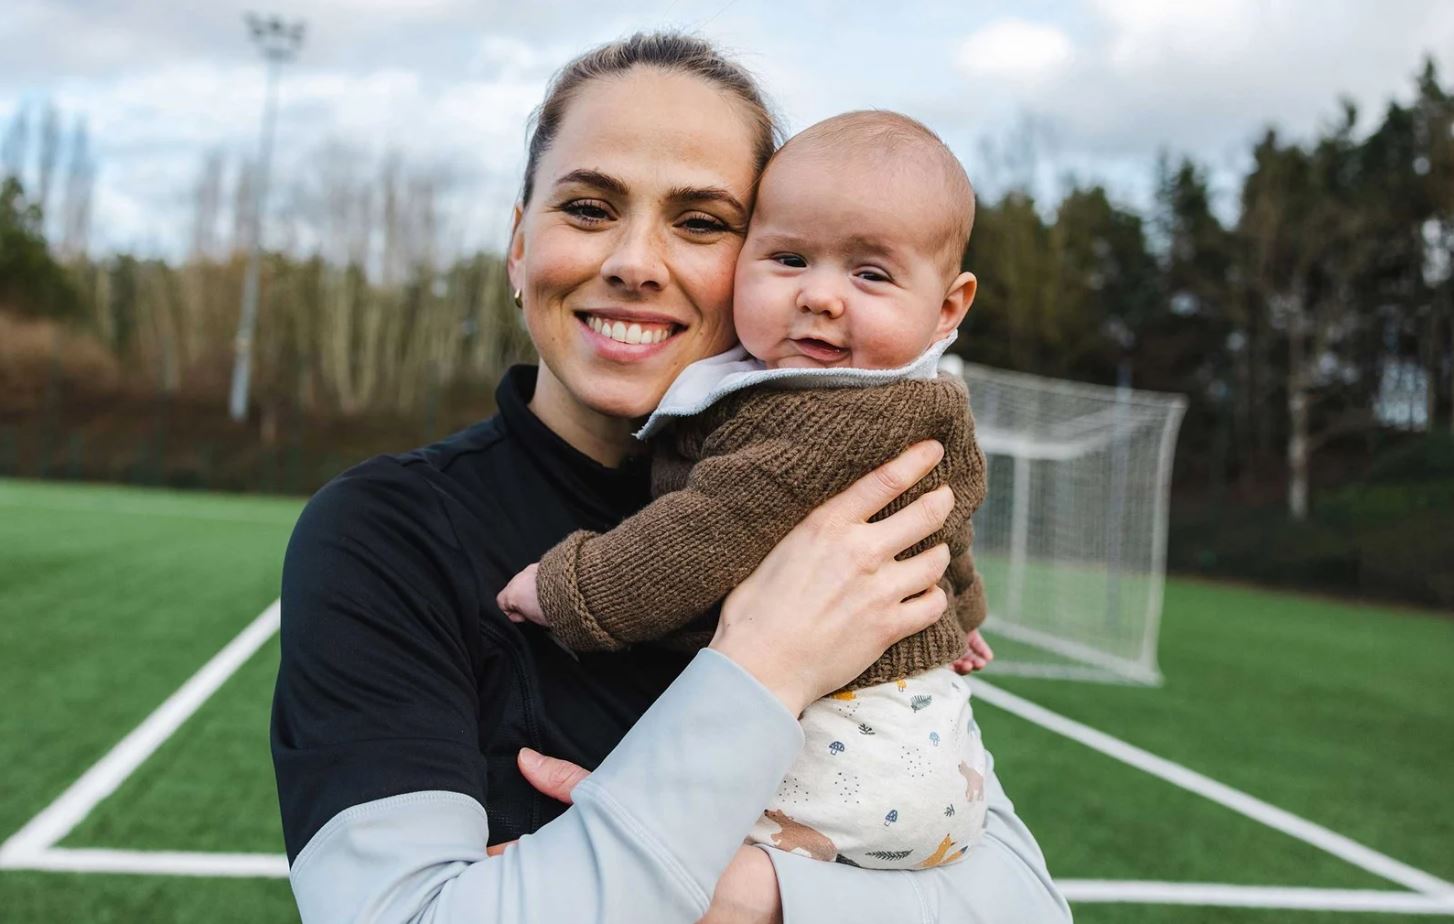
point(966, 589)
point(675, 558)
point(844, 433)
point(770, 458)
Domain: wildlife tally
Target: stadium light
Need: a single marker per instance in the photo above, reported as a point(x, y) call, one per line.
point(278, 41)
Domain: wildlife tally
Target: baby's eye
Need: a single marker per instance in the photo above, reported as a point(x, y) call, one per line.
point(790, 259)
point(702, 223)
point(873, 275)
point(587, 211)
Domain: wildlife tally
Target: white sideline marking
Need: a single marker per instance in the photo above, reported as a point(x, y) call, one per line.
point(160, 863)
point(1079, 891)
point(1085, 891)
point(1270, 815)
point(57, 820)
point(32, 847)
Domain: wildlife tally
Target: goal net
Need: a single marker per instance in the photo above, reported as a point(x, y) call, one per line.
point(1071, 539)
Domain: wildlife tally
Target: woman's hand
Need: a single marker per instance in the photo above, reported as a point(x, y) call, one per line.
point(747, 892)
point(831, 598)
point(549, 775)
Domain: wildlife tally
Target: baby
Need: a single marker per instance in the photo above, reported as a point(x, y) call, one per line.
point(848, 291)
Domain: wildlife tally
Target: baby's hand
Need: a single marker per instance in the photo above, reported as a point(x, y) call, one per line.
point(977, 654)
point(520, 600)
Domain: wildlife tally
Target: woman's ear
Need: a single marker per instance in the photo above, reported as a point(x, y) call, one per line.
point(956, 304)
point(515, 253)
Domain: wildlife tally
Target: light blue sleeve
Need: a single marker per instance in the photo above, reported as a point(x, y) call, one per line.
point(1002, 879)
point(646, 839)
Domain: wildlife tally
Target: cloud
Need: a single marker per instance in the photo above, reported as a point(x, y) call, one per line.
point(1015, 50)
point(161, 82)
point(1105, 83)
point(1206, 77)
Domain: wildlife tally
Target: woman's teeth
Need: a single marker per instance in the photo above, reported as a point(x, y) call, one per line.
point(629, 333)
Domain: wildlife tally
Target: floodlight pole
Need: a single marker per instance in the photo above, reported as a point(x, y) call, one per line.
point(279, 43)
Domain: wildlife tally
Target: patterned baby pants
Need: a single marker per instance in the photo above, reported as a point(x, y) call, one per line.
point(890, 777)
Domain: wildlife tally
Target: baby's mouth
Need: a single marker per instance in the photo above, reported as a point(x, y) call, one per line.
point(820, 350)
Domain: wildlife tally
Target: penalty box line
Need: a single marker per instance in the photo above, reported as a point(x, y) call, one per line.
point(1265, 813)
point(1077, 891)
point(31, 844)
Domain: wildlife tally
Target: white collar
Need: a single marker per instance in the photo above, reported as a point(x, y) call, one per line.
point(707, 381)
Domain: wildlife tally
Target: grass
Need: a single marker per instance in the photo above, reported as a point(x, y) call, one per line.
point(172, 801)
point(1329, 710)
point(111, 598)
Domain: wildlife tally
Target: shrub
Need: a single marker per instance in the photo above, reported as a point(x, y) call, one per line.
point(39, 354)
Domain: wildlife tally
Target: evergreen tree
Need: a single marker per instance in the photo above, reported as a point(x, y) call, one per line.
point(31, 282)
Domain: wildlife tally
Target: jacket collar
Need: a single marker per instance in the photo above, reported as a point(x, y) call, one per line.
point(597, 490)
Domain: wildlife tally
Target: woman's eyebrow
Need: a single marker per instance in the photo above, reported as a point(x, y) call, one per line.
point(706, 194)
point(594, 178)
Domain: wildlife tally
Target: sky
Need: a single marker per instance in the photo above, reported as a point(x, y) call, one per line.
point(1025, 93)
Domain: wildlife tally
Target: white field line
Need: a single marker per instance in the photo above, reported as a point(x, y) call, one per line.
point(1078, 891)
point(1088, 891)
point(58, 819)
point(32, 847)
point(158, 863)
point(1270, 815)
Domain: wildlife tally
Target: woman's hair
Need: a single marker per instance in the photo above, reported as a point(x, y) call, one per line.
point(669, 51)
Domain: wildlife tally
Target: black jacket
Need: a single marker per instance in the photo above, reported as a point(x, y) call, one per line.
point(398, 672)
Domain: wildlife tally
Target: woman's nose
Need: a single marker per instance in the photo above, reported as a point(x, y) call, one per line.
point(637, 261)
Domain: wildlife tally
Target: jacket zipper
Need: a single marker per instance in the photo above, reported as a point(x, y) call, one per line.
point(527, 696)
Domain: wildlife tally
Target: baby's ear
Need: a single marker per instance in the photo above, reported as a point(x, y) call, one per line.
point(956, 304)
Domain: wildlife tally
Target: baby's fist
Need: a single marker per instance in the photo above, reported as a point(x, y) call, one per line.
point(977, 654)
point(520, 600)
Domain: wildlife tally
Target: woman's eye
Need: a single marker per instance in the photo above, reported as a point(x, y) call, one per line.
point(586, 210)
point(790, 259)
point(703, 224)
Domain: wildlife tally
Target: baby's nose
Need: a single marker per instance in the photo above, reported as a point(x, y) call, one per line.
point(821, 300)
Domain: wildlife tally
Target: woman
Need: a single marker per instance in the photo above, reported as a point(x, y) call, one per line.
point(404, 696)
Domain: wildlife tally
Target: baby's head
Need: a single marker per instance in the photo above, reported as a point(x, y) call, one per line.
point(852, 257)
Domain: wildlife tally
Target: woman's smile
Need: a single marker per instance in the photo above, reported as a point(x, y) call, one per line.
point(623, 335)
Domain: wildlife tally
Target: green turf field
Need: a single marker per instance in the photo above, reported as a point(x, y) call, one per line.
point(110, 599)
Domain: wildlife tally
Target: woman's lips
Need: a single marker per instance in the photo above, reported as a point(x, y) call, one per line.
point(626, 341)
point(820, 350)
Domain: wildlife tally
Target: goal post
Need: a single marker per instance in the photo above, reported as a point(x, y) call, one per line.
point(1071, 538)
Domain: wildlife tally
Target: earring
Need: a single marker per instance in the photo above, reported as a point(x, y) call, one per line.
point(519, 303)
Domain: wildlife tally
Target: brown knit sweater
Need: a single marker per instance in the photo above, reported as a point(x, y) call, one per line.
point(732, 481)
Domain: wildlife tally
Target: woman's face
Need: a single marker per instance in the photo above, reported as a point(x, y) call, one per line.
point(625, 255)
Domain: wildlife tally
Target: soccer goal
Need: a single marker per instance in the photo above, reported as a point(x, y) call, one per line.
point(1071, 540)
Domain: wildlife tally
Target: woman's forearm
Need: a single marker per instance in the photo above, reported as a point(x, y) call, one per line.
point(646, 840)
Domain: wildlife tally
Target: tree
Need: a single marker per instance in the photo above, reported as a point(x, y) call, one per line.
point(1109, 286)
point(1433, 125)
point(31, 282)
point(1010, 253)
point(80, 180)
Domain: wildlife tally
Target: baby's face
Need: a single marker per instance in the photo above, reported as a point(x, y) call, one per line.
point(838, 269)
